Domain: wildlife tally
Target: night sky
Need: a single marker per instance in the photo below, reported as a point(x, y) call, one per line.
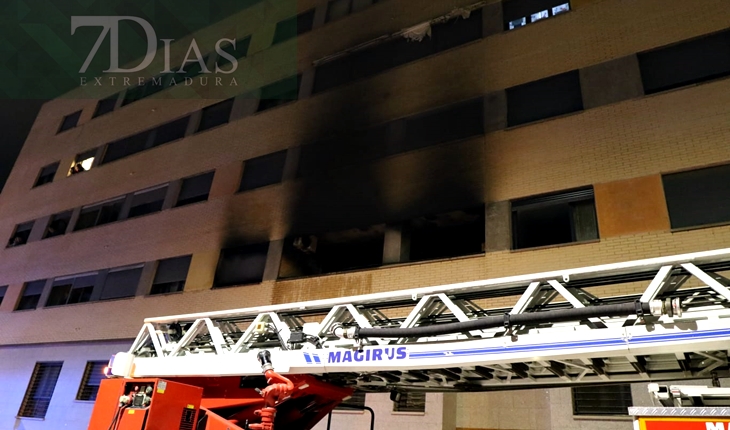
point(16, 119)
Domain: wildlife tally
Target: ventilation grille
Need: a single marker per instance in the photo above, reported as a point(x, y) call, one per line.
point(187, 422)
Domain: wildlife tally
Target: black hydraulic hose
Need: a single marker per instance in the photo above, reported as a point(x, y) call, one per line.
point(507, 320)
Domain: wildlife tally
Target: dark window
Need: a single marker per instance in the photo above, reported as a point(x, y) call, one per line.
point(121, 283)
point(447, 235)
point(396, 52)
point(354, 249)
point(241, 265)
point(279, 93)
point(195, 189)
point(293, 26)
point(554, 219)
point(58, 224)
point(602, 400)
point(3, 291)
point(67, 291)
point(100, 214)
point(452, 123)
point(171, 275)
point(517, 13)
point(262, 171)
point(686, 63)
point(698, 197)
point(171, 131)
point(83, 162)
point(241, 51)
point(69, 121)
point(126, 147)
point(40, 390)
point(147, 202)
point(410, 402)
point(93, 374)
point(356, 401)
point(335, 153)
point(151, 86)
point(106, 105)
point(215, 115)
point(337, 9)
point(31, 294)
point(546, 98)
point(47, 174)
point(21, 234)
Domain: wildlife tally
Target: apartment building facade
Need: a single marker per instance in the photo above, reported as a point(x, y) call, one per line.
point(487, 139)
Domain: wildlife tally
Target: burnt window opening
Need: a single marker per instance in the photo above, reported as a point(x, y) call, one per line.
point(337, 9)
point(262, 171)
point(397, 52)
point(356, 401)
point(452, 234)
point(554, 219)
point(602, 400)
point(31, 295)
point(171, 131)
point(40, 390)
point(99, 214)
point(82, 162)
point(3, 291)
point(70, 290)
point(411, 401)
point(358, 148)
point(546, 98)
point(106, 105)
point(698, 197)
point(195, 189)
point(353, 249)
point(279, 93)
point(293, 27)
point(121, 283)
point(58, 225)
point(685, 63)
point(518, 13)
point(47, 174)
point(216, 115)
point(69, 121)
point(147, 201)
point(459, 121)
point(91, 381)
point(21, 234)
point(171, 275)
point(125, 147)
point(241, 265)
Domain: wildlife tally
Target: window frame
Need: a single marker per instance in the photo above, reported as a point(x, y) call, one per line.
point(3, 292)
point(55, 167)
point(101, 206)
point(180, 283)
point(35, 380)
point(62, 127)
point(17, 230)
point(98, 111)
point(23, 295)
point(139, 267)
point(196, 198)
point(147, 191)
point(84, 384)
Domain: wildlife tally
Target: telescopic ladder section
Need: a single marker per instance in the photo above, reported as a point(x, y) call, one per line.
point(676, 329)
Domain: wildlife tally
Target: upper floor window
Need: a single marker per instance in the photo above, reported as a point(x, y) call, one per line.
point(279, 93)
point(106, 105)
point(241, 265)
point(171, 275)
point(99, 214)
point(518, 13)
point(40, 390)
point(239, 51)
point(554, 219)
point(21, 234)
point(446, 235)
point(83, 162)
point(261, 171)
point(545, 98)
point(215, 115)
point(148, 201)
point(121, 283)
point(47, 174)
point(3, 290)
point(698, 197)
point(195, 189)
point(31, 295)
point(293, 26)
point(58, 224)
point(71, 289)
point(69, 121)
point(337, 9)
point(171, 131)
point(602, 400)
point(125, 147)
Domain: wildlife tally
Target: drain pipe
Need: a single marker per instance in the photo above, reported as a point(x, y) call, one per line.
point(655, 307)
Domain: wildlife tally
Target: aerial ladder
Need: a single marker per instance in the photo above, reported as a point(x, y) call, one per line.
point(288, 366)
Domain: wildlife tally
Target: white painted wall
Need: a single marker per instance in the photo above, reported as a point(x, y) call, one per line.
point(65, 412)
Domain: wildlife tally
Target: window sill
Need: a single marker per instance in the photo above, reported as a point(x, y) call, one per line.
point(699, 227)
point(25, 310)
point(414, 414)
point(602, 418)
point(559, 245)
point(29, 418)
point(164, 294)
point(348, 412)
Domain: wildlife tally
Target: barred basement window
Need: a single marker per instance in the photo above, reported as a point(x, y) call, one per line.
point(410, 402)
point(553, 219)
point(602, 400)
point(47, 174)
point(93, 374)
point(195, 189)
point(69, 121)
point(40, 390)
point(3, 290)
point(171, 275)
point(31, 295)
point(356, 401)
